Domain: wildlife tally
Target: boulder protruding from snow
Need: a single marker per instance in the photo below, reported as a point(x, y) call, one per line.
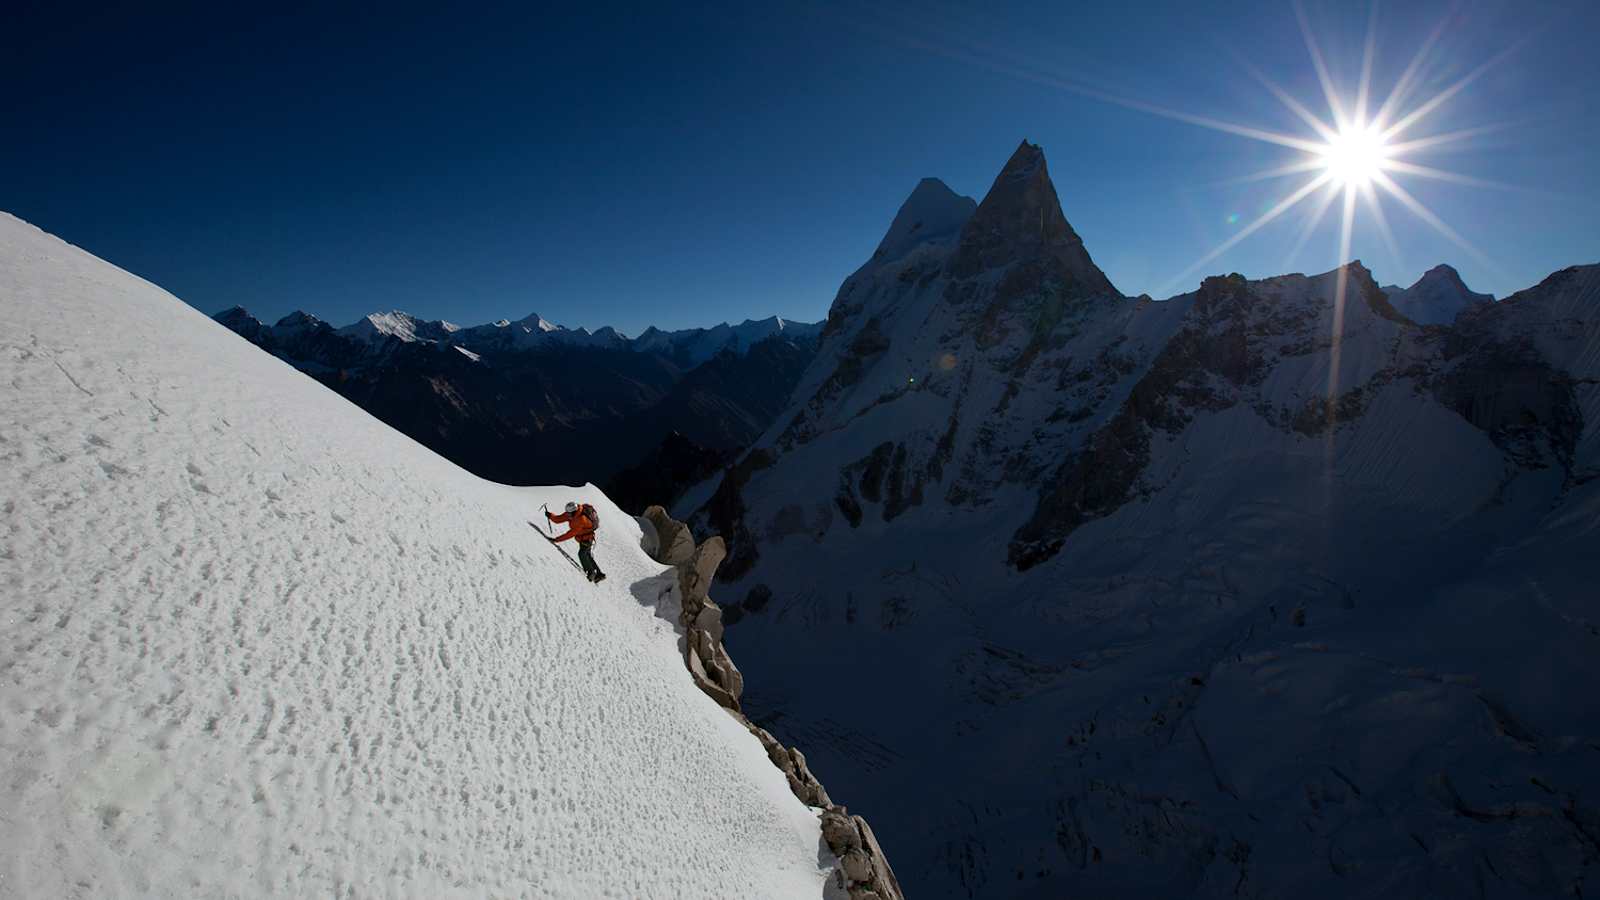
point(708, 661)
point(866, 870)
point(674, 543)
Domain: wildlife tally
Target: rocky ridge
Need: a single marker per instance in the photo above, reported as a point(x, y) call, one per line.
point(864, 869)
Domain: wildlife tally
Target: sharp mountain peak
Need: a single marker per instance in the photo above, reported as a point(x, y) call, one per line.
point(1020, 220)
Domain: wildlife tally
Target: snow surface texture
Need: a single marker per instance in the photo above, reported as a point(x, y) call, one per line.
point(258, 643)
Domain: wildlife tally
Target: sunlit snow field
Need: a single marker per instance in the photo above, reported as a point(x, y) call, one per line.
point(256, 642)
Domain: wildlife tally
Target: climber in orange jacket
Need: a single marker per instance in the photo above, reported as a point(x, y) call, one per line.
point(582, 522)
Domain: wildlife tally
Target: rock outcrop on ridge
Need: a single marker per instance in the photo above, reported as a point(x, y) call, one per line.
point(864, 869)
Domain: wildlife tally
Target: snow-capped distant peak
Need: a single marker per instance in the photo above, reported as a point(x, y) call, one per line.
point(696, 345)
point(237, 314)
point(299, 319)
point(400, 326)
point(1436, 298)
point(536, 322)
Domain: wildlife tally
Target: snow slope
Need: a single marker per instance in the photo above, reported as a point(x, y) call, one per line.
point(258, 643)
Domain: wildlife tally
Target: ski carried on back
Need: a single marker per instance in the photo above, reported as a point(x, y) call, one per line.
point(568, 556)
point(558, 547)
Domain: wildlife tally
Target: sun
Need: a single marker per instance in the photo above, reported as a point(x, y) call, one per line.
point(1355, 157)
point(1358, 152)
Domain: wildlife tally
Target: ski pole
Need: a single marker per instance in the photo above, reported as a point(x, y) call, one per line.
point(546, 508)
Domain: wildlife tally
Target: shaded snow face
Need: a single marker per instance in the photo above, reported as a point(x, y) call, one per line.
point(1438, 297)
point(258, 643)
point(933, 214)
point(1185, 598)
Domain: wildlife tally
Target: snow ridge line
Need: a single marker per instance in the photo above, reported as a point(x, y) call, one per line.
point(864, 871)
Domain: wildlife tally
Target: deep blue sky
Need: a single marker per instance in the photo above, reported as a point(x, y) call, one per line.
point(679, 166)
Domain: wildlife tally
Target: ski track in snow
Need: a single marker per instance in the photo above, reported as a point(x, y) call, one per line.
point(256, 642)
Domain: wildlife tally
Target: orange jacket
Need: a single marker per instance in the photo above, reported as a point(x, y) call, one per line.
point(582, 526)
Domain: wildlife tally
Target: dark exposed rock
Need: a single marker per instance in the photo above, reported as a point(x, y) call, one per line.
point(846, 500)
point(675, 465)
point(1528, 408)
point(884, 477)
point(1021, 219)
point(873, 469)
point(900, 496)
point(757, 598)
point(725, 512)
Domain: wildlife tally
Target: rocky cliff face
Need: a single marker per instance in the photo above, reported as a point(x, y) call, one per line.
point(1200, 596)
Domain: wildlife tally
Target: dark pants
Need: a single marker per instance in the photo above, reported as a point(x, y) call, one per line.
point(586, 558)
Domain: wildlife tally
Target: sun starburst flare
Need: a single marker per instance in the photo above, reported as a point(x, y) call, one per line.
point(1355, 151)
point(1355, 155)
point(1358, 152)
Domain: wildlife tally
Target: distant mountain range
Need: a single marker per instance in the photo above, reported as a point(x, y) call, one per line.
point(534, 402)
point(382, 330)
